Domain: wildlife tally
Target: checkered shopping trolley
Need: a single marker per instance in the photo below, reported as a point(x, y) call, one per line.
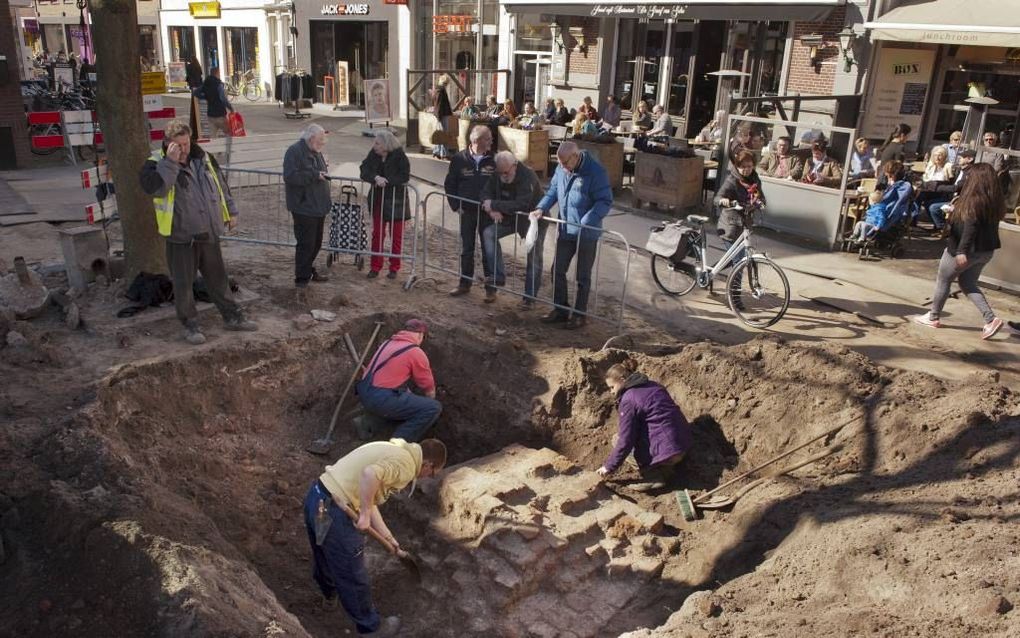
point(347, 228)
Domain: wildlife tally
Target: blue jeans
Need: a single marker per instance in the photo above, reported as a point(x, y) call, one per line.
point(339, 563)
point(492, 253)
point(935, 212)
point(737, 258)
point(416, 413)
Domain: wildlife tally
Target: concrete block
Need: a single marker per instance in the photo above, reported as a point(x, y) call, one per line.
point(651, 522)
point(85, 254)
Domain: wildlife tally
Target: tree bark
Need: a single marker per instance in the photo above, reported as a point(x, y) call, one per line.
point(125, 131)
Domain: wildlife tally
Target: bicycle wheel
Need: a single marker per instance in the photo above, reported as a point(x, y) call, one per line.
point(43, 129)
point(676, 278)
point(253, 92)
point(758, 292)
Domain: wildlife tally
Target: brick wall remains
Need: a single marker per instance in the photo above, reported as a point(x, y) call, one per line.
point(817, 79)
point(581, 62)
point(12, 109)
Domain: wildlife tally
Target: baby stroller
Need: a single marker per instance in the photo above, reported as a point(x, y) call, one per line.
point(347, 228)
point(888, 240)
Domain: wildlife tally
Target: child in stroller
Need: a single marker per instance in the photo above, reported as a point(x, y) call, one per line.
point(874, 220)
point(897, 199)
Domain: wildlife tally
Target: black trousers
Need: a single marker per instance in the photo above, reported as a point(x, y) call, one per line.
point(308, 234)
point(566, 248)
point(471, 227)
point(201, 255)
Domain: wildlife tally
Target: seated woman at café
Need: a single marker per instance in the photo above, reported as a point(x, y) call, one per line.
point(562, 116)
point(713, 131)
point(641, 117)
point(781, 163)
point(954, 146)
point(509, 112)
point(820, 169)
point(531, 118)
point(549, 112)
point(584, 126)
point(468, 109)
point(862, 160)
point(937, 173)
point(589, 110)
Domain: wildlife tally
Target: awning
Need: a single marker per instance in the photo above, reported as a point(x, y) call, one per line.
point(987, 23)
point(748, 10)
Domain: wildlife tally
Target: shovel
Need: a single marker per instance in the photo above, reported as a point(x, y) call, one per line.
point(408, 561)
point(323, 445)
point(719, 502)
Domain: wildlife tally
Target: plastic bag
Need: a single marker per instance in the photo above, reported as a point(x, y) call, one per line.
point(235, 124)
point(532, 235)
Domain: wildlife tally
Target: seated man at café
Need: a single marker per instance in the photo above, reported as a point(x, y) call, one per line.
point(820, 169)
point(780, 163)
point(663, 124)
point(493, 109)
point(611, 114)
point(641, 117)
point(562, 116)
point(954, 146)
point(589, 110)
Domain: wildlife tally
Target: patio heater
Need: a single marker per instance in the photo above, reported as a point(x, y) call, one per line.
point(977, 103)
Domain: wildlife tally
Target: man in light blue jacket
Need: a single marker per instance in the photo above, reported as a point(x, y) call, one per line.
point(580, 187)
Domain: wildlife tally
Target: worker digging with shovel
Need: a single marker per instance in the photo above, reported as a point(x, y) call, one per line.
point(343, 502)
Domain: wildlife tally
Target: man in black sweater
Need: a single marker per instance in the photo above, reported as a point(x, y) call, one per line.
point(469, 172)
point(214, 92)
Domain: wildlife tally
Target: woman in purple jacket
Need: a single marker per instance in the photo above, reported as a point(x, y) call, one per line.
point(651, 426)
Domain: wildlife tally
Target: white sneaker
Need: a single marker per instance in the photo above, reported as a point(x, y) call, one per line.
point(389, 626)
point(926, 320)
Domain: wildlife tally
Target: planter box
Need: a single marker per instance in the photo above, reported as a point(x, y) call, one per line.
point(1003, 270)
point(610, 156)
point(673, 182)
point(429, 123)
point(530, 147)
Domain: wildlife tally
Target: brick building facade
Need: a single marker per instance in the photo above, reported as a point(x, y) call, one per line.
point(14, 150)
point(817, 77)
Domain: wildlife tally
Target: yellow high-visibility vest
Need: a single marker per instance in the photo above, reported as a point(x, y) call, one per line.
point(165, 205)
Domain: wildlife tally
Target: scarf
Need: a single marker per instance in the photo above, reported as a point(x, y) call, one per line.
point(753, 190)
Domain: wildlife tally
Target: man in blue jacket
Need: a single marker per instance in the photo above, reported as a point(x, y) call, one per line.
point(580, 187)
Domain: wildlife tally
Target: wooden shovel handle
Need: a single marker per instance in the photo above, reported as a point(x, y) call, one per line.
point(371, 531)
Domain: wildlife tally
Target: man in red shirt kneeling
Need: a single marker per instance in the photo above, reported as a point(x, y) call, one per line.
point(384, 389)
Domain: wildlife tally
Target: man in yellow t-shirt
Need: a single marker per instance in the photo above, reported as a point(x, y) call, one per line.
point(361, 481)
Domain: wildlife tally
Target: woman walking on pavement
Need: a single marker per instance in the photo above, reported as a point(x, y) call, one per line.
point(388, 170)
point(973, 239)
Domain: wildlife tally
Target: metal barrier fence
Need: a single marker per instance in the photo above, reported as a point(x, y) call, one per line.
point(509, 267)
point(352, 227)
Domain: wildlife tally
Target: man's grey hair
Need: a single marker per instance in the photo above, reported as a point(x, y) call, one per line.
point(388, 139)
point(311, 131)
point(478, 132)
point(567, 149)
point(505, 159)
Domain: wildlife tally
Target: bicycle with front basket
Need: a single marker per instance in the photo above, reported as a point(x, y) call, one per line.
point(757, 290)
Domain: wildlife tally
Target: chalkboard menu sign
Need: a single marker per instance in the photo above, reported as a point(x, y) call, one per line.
point(913, 98)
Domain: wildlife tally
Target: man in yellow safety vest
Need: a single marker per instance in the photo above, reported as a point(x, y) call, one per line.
point(192, 204)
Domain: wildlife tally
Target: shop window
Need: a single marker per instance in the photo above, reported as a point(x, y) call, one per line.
point(147, 47)
point(242, 51)
point(182, 44)
point(679, 82)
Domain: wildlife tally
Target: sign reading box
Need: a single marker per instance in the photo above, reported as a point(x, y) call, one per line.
point(345, 10)
point(204, 9)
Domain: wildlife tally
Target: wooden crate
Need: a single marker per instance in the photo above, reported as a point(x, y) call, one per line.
point(530, 147)
point(429, 123)
point(610, 156)
point(673, 182)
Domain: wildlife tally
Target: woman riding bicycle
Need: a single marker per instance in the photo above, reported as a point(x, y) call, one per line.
point(740, 190)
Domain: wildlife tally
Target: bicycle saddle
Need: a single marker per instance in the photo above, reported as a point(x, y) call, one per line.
point(697, 219)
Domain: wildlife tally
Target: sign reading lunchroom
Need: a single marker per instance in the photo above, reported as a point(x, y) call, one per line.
point(345, 9)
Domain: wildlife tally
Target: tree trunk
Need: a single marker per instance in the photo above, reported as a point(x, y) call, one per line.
point(125, 131)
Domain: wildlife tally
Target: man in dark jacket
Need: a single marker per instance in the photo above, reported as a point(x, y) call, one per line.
point(469, 172)
point(214, 92)
point(580, 188)
point(307, 186)
point(192, 203)
point(510, 194)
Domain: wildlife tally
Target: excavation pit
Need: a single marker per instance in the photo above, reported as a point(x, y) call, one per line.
point(175, 503)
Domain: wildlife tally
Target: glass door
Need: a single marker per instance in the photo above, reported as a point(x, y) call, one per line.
point(210, 48)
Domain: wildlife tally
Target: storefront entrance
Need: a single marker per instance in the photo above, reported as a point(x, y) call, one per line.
point(363, 45)
point(210, 48)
